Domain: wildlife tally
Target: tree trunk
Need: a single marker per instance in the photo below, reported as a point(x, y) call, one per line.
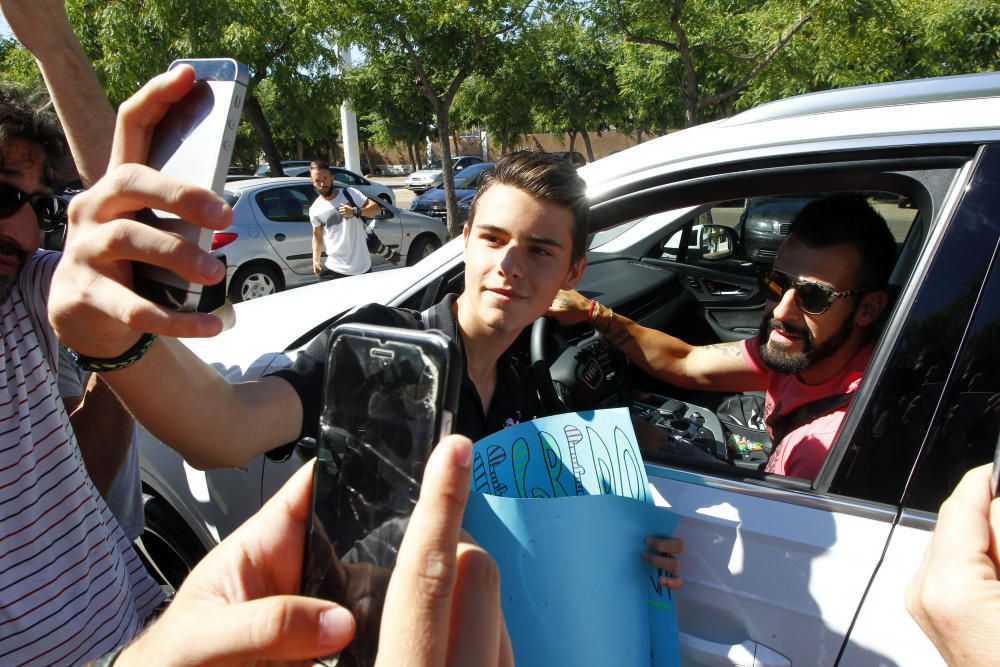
point(586, 142)
point(255, 115)
point(572, 139)
point(454, 227)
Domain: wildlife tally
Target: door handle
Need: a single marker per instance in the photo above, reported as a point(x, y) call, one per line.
point(279, 237)
point(715, 654)
point(725, 289)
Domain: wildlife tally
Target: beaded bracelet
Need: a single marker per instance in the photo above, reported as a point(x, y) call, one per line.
point(124, 360)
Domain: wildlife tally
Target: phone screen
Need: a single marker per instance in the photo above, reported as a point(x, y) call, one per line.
point(389, 396)
point(193, 142)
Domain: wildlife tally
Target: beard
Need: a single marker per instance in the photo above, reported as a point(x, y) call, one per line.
point(781, 359)
point(327, 191)
point(11, 249)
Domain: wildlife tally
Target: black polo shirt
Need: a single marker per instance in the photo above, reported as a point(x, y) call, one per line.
point(514, 399)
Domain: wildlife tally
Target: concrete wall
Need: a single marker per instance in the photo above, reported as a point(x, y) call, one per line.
point(396, 160)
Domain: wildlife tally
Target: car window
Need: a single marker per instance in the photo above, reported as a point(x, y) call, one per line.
point(718, 264)
point(345, 177)
point(284, 204)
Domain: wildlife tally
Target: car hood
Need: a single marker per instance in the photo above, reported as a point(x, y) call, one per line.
point(273, 323)
point(435, 195)
point(427, 172)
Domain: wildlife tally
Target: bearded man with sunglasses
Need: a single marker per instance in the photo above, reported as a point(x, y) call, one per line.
point(825, 294)
point(71, 586)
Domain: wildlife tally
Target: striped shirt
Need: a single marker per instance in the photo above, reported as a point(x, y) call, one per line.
point(71, 586)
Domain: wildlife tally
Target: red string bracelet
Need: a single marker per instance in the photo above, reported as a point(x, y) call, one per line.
point(590, 313)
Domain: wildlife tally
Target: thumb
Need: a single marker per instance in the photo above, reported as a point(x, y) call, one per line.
point(278, 628)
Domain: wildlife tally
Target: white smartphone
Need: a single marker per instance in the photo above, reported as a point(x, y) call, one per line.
point(194, 142)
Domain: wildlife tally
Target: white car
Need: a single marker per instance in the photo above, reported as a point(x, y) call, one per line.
point(432, 175)
point(268, 245)
point(342, 176)
point(777, 570)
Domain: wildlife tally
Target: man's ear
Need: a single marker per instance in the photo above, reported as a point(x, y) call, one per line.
point(576, 269)
point(871, 307)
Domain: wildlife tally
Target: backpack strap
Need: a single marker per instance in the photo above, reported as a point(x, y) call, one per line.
point(784, 424)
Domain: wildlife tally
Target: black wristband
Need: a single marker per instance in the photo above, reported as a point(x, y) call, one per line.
point(123, 360)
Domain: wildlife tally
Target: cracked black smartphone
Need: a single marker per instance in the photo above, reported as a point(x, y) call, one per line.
point(389, 396)
point(193, 142)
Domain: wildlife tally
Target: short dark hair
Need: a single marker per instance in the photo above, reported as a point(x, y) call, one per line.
point(546, 177)
point(848, 219)
point(319, 164)
point(30, 118)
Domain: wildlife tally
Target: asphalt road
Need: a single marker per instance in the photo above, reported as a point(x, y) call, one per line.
point(397, 183)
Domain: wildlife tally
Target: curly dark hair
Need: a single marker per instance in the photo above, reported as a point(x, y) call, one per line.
point(546, 177)
point(31, 118)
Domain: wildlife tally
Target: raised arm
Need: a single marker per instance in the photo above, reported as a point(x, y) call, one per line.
point(93, 309)
point(718, 367)
point(84, 111)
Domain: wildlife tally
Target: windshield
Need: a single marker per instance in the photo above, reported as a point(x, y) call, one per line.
point(433, 164)
point(466, 179)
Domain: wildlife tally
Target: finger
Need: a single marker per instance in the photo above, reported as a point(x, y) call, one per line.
point(962, 526)
point(476, 619)
point(131, 187)
point(506, 647)
point(138, 115)
point(668, 545)
point(275, 536)
point(123, 305)
point(418, 603)
point(662, 561)
point(275, 628)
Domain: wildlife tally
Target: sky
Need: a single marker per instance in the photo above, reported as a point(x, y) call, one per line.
point(4, 28)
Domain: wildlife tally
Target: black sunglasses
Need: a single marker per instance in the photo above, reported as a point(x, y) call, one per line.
point(49, 209)
point(811, 297)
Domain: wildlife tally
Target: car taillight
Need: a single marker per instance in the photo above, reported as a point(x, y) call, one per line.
point(220, 239)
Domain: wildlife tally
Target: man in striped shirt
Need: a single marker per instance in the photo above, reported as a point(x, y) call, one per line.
point(71, 587)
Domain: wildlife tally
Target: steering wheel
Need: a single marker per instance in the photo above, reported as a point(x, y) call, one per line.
point(580, 375)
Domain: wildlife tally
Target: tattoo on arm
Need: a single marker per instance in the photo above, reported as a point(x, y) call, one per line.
point(617, 333)
point(732, 349)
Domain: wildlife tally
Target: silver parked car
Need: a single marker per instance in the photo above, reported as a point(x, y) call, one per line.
point(340, 175)
point(432, 174)
point(268, 247)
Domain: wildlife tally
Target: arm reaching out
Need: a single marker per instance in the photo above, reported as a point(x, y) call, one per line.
point(718, 367)
point(955, 596)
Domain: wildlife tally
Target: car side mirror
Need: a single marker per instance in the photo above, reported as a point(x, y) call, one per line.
point(717, 242)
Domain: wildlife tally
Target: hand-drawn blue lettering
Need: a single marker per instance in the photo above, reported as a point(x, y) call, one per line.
point(519, 457)
point(554, 466)
point(602, 464)
point(574, 437)
point(632, 481)
point(479, 476)
point(496, 455)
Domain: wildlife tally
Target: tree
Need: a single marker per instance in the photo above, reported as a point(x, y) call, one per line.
point(502, 101)
point(718, 47)
point(283, 41)
point(389, 103)
point(581, 92)
point(444, 41)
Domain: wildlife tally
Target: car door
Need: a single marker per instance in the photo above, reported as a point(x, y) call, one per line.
point(388, 226)
point(777, 568)
point(282, 213)
point(948, 437)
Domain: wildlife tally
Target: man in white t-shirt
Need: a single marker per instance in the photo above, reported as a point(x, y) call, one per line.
point(337, 226)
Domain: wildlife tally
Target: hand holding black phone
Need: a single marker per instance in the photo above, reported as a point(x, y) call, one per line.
point(389, 396)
